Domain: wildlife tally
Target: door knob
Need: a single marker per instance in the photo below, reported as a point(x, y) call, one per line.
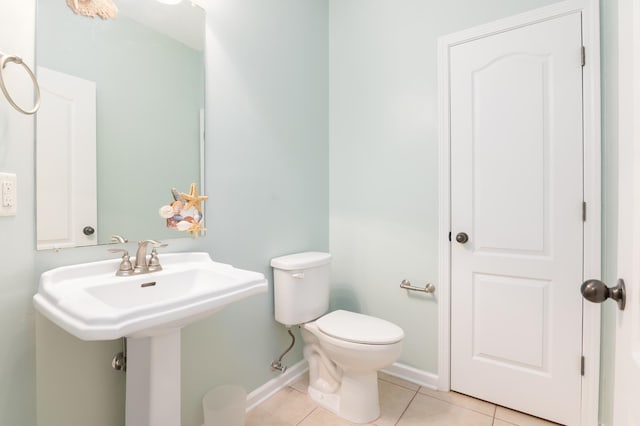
point(88, 230)
point(462, 237)
point(596, 291)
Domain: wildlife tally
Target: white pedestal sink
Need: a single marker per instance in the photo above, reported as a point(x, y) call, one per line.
point(153, 380)
point(90, 302)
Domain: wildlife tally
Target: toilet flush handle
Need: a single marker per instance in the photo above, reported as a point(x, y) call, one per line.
point(298, 275)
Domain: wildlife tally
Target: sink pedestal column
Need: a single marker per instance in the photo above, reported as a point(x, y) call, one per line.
point(153, 380)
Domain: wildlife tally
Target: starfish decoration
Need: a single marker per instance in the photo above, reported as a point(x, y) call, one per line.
point(193, 199)
point(196, 228)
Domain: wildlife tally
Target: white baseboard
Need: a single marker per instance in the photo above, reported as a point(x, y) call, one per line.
point(413, 375)
point(402, 371)
point(274, 385)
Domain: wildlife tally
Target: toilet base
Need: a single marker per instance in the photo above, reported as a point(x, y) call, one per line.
point(356, 400)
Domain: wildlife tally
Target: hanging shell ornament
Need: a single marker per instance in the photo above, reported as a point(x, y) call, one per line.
point(105, 9)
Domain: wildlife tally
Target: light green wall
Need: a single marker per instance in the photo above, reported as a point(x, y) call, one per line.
point(17, 250)
point(267, 176)
point(267, 163)
point(266, 172)
point(384, 155)
point(384, 160)
point(149, 95)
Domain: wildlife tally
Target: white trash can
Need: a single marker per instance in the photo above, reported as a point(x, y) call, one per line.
point(225, 406)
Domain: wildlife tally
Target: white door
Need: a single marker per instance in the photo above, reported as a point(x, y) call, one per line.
point(627, 380)
point(517, 193)
point(66, 161)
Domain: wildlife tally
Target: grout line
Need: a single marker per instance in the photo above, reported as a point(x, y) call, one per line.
point(407, 407)
point(297, 390)
point(453, 404)
point(305, 417)
point(459, 405)
point(398, 384)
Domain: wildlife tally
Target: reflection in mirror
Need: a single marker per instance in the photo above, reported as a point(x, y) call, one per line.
point(121, 122)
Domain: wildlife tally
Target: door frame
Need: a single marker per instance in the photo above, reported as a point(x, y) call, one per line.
point(628, 65)
point(591, 175)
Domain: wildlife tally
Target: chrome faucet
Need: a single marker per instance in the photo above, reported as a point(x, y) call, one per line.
point(141, 265)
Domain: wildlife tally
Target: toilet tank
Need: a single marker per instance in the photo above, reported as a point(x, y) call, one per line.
point(301, 287)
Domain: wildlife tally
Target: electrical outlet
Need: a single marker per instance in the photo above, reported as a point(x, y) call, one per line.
point(9, 194)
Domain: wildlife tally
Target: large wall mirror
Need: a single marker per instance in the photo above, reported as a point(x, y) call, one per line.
point(121, 121)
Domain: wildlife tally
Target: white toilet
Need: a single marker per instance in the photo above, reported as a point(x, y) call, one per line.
point(344, 349)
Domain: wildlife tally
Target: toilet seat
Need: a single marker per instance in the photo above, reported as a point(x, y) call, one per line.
point(359, 328)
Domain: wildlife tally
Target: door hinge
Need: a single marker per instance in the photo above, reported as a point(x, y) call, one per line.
point(582, 365)
point(583, 56)
point(584, 211)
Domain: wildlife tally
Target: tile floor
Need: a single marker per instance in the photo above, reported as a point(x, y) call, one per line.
point(402, 403)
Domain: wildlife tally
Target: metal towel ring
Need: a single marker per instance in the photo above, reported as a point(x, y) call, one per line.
point(4, 59)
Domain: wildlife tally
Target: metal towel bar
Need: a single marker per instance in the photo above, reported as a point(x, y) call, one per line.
point(4, 59)
point(429, 288)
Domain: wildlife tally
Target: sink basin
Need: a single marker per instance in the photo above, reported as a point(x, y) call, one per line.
point(90, 302)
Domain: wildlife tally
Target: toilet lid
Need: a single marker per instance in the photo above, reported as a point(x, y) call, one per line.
point(359, 328)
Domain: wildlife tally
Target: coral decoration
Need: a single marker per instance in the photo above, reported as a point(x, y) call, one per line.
point(105, 9)
point(184, 213)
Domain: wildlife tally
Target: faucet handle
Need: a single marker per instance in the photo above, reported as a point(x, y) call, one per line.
point(154, 243)
point(119, 239)
point(125, 268)
point(154, 262)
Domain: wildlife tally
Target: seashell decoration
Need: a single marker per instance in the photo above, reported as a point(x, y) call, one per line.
point(184, 213)
point(105, 9)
